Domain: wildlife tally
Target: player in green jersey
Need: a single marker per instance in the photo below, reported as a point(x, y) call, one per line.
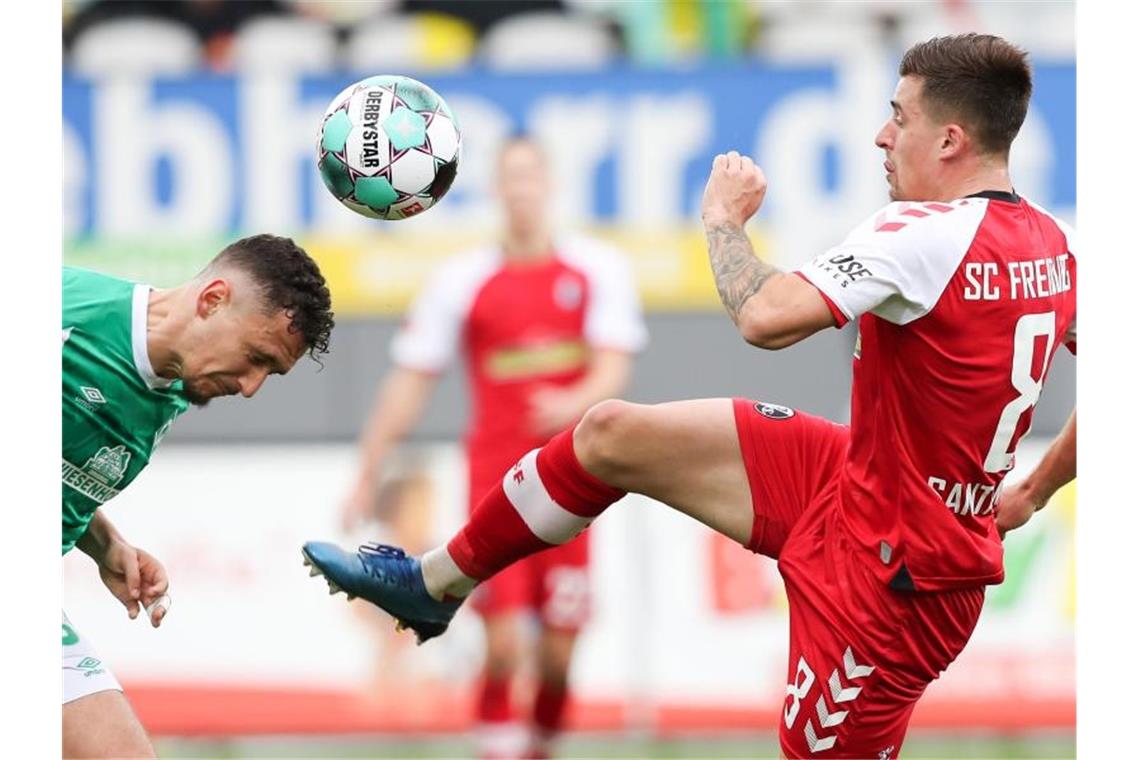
point(134, 358)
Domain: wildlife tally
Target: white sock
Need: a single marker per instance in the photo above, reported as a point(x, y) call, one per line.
point(442, 576)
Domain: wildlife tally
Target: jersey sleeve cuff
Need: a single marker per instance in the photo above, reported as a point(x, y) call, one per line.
point(841, 319)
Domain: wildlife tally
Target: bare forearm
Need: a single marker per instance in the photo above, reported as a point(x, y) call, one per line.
point(98, 537)
point(1058, 466)
point(738, 273)
point(396, 410)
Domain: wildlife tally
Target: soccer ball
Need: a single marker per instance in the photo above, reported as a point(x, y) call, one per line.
point(388, 147)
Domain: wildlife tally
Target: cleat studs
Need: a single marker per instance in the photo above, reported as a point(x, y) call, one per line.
point(314, 571)
point(305, 560)
point(350, 596)
point(333, 588)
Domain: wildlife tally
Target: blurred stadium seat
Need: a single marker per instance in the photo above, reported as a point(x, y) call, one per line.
point(270, 44)
point(545, 41)
point(141, 46)
point(412, 42)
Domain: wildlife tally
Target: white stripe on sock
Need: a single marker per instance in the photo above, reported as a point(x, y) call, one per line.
point(543, 515)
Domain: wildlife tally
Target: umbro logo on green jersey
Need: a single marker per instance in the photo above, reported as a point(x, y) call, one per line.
point(94, 395)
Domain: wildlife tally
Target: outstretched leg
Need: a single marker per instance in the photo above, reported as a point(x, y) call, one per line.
point(686, 454)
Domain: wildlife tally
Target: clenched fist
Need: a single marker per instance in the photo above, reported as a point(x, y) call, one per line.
point(734, 191)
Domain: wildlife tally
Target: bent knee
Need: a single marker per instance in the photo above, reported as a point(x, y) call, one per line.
point(601, 435)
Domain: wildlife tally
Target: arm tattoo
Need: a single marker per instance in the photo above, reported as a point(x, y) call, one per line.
point(737, 271)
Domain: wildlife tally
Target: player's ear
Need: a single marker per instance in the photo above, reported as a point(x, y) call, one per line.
point(955, 141)
point(212, 296)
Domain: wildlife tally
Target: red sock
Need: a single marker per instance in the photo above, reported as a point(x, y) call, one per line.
point(546, 499)
point(494, 704)
point(549, 711)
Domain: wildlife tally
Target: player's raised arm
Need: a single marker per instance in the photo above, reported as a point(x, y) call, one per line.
point(770, 308)
point(1056, 469)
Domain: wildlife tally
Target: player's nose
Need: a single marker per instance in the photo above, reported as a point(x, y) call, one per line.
point(251, 382)
point(885, 136)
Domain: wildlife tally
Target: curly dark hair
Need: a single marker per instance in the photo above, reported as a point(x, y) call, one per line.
point(289, 280)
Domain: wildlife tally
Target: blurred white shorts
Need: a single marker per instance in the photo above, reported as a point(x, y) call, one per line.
point(83, 672)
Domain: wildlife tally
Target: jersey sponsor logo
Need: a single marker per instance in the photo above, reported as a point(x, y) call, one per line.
point(775, 411)
point(100, 474)
point(109, 464)
point(525, 361)
point(844, 268)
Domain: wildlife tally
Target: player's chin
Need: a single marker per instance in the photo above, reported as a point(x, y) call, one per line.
point(196, 395)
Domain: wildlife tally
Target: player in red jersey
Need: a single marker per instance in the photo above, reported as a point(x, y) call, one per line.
point(548, 328)
point(884, 530)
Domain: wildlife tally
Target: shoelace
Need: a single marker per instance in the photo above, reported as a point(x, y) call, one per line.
point(388, 564)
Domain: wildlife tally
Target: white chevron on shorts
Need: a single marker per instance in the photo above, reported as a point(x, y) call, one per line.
point(854, 670)
point(828, 719)
point(815, 744)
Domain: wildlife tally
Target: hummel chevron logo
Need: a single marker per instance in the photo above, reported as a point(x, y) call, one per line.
point(853, 669)
point(839, 694)
point(826, 719)
point(816, 744)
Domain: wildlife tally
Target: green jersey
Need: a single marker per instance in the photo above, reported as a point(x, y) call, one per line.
point(115, 409)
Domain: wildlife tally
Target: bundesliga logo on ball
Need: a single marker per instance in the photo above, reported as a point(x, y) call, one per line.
point(388, 147)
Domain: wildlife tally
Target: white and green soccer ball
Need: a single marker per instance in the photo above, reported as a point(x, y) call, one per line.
point(388, 147)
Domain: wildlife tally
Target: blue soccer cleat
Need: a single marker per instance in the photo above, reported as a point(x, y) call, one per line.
point(387, 577)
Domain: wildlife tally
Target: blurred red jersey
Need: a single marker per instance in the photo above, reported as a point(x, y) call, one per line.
point(520, 326)
point(961, 307)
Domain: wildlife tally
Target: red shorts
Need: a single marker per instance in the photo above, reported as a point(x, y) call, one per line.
point(554, 584)
point(861, 654)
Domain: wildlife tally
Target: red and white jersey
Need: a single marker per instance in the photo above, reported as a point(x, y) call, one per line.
point(961, 306)
point(520, 325)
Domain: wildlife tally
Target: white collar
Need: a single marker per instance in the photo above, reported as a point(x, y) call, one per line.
point(139, 305)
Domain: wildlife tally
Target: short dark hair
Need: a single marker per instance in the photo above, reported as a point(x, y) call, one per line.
point(289, 281)
point(978, 79)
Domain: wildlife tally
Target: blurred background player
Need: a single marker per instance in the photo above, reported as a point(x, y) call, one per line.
point(548, 326)
point(134, 358)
